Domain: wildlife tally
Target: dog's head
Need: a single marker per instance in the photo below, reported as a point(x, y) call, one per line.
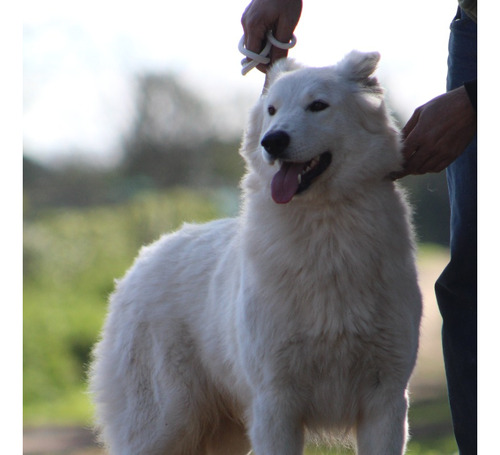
point(320, 130)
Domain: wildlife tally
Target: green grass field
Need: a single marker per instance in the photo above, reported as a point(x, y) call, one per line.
point(71, 258)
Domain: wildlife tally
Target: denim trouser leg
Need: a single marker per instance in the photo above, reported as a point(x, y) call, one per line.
point(456, 288)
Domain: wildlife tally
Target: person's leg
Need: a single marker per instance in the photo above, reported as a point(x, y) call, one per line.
point(456, 288)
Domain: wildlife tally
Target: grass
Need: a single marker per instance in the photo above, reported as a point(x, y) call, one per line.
point(70, 261)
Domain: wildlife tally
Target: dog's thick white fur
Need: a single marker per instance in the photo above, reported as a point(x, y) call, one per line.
point(302, 314)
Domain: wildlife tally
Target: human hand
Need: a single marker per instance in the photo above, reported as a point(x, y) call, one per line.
point(437, 133)
point(280, 16)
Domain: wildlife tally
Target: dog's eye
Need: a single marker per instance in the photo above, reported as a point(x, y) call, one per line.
point(317, 106)
point(271, 110)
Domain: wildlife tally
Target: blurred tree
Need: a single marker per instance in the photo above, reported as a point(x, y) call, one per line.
point(429, 196)
point(171, 141)
point(168, 113)
point(71, 183)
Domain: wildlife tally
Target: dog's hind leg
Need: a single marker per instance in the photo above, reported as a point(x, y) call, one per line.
point(382, 429)
point(174, 429)
point(151, 407)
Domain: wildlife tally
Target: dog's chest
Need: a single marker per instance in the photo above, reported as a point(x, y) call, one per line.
point(327, 374)
point(317, 309)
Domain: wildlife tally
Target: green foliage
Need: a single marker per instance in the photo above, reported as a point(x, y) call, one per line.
point(428, 195)
point(70, 260)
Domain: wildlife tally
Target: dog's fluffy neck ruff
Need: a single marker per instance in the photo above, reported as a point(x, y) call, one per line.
point(317, 249)
point(330, 217)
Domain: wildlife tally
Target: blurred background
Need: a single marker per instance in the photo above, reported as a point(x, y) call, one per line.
point(133, 115)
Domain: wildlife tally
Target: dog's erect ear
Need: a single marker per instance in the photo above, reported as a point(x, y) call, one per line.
point(281, 66)
point(359, 66)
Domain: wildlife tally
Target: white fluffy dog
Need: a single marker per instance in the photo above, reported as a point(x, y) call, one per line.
point(301, 314)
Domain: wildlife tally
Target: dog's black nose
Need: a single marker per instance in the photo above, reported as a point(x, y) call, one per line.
point(275, 143)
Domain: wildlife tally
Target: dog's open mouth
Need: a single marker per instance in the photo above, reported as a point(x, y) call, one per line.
point(294, 178)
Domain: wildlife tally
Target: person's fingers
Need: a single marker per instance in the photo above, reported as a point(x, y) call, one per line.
point(427, 160)
point(283, 32)
point(254, 28)
point(410, 139)
point(433, 164)
point(285, 27)
point(255, 39)
point(260, 17)
point(410, 125)
point(415, 161)
point(419, 155)
point(397, 175)
point(419, 164)
point(277, 53)
point(439, 157)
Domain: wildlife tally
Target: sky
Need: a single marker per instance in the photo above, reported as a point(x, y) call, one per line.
point(80, 59)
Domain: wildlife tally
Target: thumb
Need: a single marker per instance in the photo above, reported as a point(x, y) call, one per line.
point(410, 125)
point(410, 136)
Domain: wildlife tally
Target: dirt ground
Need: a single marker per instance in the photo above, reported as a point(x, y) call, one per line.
point(59, 441)
point(428, 381)
point(429, 377)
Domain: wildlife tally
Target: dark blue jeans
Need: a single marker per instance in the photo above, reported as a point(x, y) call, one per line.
point(456, 288)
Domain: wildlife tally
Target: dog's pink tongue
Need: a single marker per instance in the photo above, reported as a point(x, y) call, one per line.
point(286, 182)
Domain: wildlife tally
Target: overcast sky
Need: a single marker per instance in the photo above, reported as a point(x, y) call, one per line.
point(80, 58)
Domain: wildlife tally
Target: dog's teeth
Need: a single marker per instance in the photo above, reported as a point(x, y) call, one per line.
point(299, 178)
point(313, 163)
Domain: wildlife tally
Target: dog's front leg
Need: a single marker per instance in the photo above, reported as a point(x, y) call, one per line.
point(275, 427)
point(383, 427)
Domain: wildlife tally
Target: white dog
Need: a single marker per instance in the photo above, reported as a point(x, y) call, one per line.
point(301, 314)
